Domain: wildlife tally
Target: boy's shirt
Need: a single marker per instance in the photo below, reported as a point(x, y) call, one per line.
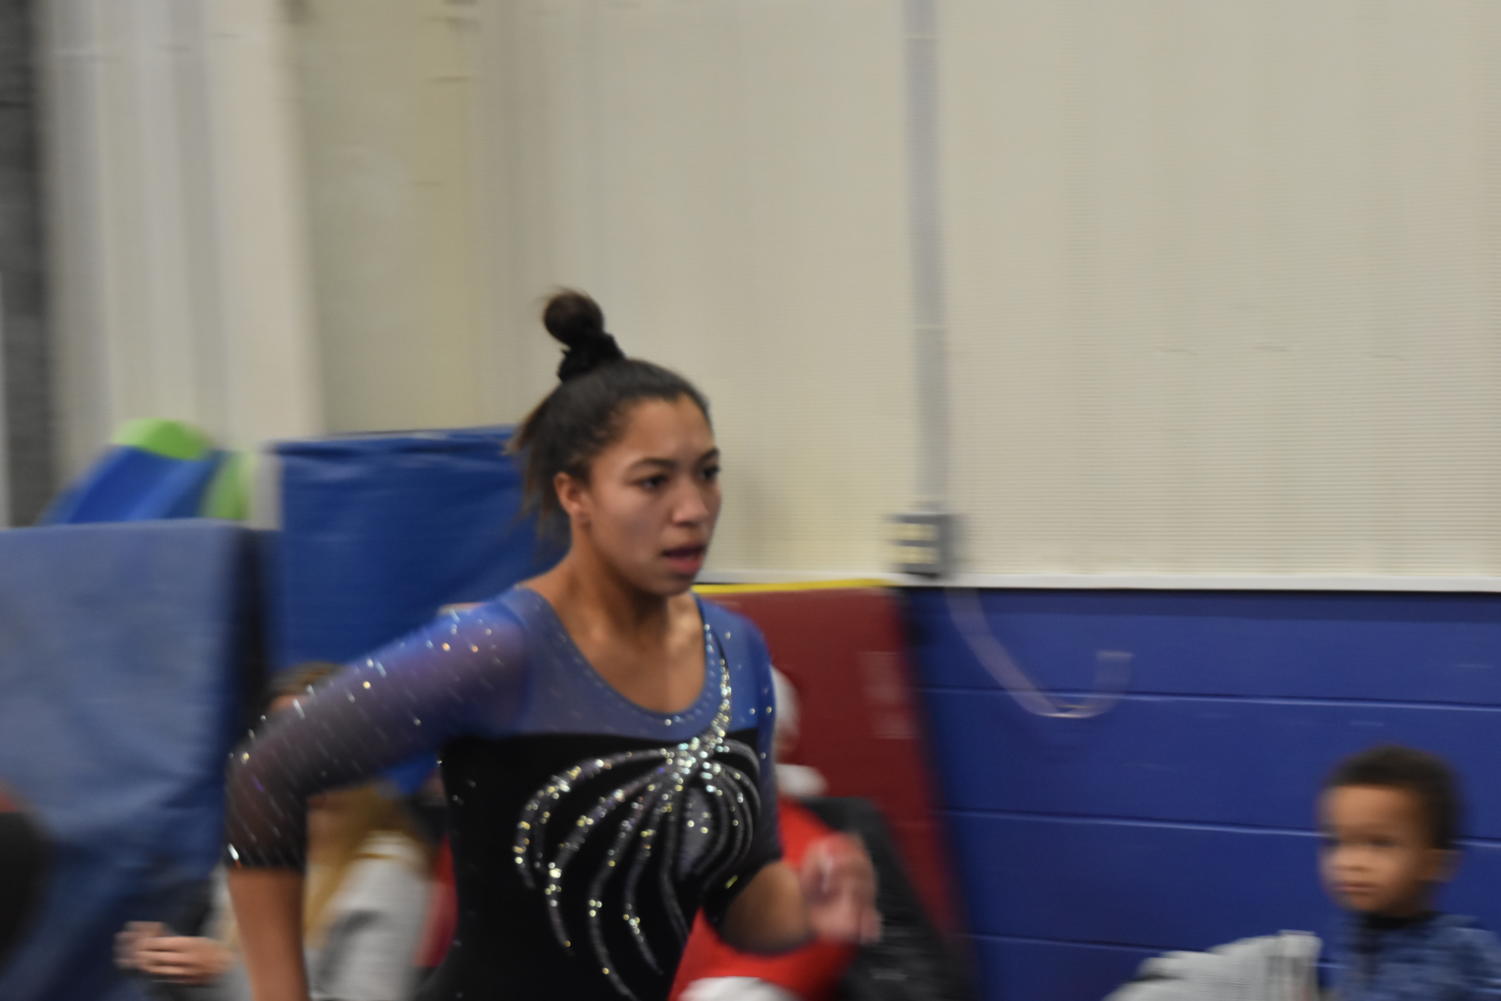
point(1438, 957)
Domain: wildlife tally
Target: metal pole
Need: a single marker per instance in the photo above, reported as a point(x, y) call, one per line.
point(930, 320)
point(924, 536)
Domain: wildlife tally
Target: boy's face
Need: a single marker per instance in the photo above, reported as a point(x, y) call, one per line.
point(1378, 855)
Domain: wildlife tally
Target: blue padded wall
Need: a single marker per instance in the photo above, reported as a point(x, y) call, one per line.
point(122, 672)
point(1183, 818)
point(378, 531)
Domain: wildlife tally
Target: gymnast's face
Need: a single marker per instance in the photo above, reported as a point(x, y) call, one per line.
point(650, 504)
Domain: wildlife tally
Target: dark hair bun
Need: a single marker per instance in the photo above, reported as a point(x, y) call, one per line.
point(577, 322)
point(573, 318)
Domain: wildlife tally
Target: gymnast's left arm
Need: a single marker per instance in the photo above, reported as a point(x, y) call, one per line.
point(769, 907)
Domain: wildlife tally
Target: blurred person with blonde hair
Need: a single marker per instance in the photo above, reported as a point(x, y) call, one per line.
point(365, 899)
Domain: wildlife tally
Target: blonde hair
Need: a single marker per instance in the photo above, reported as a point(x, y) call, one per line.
point(355, 815)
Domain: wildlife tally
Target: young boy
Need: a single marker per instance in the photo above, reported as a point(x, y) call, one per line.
point(1390, 820)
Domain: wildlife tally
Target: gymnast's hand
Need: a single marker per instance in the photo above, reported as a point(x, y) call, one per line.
point(839, 886)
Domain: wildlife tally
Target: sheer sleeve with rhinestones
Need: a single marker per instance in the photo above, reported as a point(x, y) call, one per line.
point(461, 676)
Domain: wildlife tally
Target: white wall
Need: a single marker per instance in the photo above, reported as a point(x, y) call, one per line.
point(1219, 276)
point(1223, 284)
point(728, 180)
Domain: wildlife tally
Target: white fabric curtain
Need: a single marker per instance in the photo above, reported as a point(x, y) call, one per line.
point(179, 273)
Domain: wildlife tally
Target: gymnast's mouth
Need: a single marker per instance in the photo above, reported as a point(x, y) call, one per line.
point(686, 559)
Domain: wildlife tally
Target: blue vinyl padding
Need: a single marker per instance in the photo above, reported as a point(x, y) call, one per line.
point(379, 531)
point(1183, 818)
point(122, 672)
